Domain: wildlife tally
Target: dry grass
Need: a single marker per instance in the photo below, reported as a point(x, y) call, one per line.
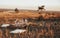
point(36, 32)
point(11, 15)
point(28, 14)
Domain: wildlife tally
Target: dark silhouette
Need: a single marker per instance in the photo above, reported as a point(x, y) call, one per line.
point(40, 8)
point(16, 10)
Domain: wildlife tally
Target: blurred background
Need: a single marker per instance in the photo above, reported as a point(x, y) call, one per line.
point(30, 4)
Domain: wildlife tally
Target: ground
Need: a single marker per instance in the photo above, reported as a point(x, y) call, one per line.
point(6, 15)
point(41, 29)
